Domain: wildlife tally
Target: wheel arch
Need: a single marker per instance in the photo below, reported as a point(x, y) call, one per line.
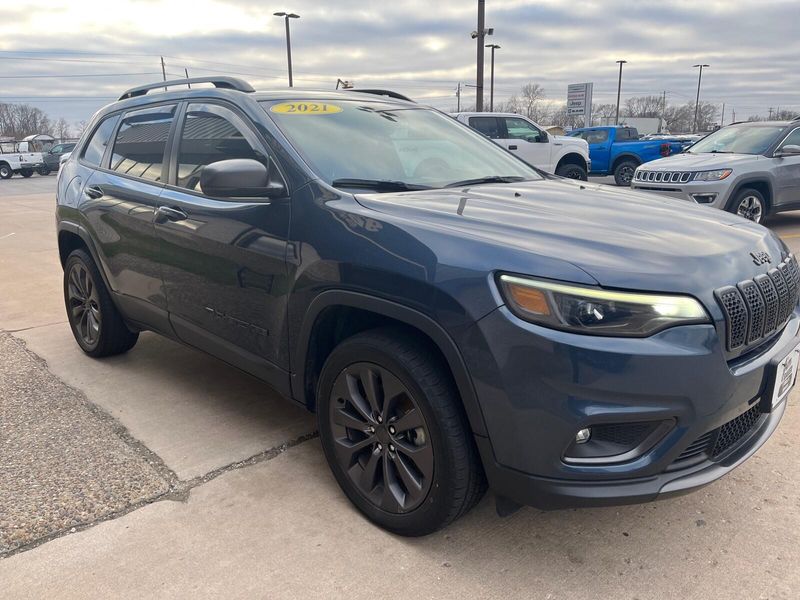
point(572, 158)
point(335, 315)
point(762, 184)
point(625, 158)
point(72, 236)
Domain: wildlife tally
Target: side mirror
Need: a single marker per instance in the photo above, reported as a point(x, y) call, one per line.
point(239, 178)
point(788, 150)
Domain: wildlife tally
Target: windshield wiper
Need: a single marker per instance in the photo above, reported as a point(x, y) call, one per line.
point(487, 179)
point(379, 185)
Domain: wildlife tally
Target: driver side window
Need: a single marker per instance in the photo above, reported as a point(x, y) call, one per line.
point(793, 139)
point(520, 129)
point(212, 133)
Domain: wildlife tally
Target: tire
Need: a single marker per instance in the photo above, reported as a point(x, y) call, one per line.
point(6, 172)
point(750, 204)
point(571, 171)
point(44, 171)
point(95, 322)
point(623, 172)
point(26, 172)
point(430, 458)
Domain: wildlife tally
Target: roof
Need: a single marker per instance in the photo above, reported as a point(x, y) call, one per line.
point(39, 136)
point(763, 123)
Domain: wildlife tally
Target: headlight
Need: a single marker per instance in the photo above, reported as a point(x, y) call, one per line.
point(597, 311)
point(717, 175)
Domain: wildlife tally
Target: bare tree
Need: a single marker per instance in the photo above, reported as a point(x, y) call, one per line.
point(61, 129)
point(21, 120)
point(643, 106)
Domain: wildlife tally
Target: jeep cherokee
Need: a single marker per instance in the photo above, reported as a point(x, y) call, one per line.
point(454, 316)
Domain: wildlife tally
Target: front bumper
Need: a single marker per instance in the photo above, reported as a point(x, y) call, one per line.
point(711, 193)
point(537, 387)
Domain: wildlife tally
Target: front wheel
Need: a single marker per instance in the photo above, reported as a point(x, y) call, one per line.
point(750, 204)
point(26, 172)
point(623, 173)
point(395, 435)
point(44, 170)
point(572, 172)
point(6, 172)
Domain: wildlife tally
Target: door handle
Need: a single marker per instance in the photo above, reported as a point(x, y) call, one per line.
point(166, 213)
point(512, 147)
point(94, 192)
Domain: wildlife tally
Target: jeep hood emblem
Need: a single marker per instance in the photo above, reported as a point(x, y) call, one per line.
point(760, 258)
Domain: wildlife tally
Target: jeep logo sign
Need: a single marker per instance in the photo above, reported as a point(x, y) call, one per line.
point(761, 258)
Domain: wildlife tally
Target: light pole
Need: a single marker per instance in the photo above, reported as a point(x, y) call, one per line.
point(697, 100)
point(491, 84)
point(286, 17)
point(619, 89)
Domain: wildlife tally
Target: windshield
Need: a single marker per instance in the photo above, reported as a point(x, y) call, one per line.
point(739, 140)
point(386, 147)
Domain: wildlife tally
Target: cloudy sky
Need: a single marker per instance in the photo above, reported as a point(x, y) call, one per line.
point(70, 58)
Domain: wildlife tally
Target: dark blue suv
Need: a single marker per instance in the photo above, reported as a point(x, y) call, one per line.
point(454, 316)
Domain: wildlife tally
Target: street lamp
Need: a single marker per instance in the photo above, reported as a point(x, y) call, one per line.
point(491, 85)
point(286, 17)
point(697, 100)
point(479, 35)
point(619, 89)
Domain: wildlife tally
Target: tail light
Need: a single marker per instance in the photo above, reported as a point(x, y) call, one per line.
point(666, 149)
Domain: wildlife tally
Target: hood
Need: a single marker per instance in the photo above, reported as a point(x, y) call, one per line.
point(571, 141)
point(621, 238)
point(700, 162)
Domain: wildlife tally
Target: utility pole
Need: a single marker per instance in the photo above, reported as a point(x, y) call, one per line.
point(479, 77)
point(697, 100)
point(733, 119)
point(491, 85)
point(286, 17)
point(458, 97)
point(770, 113)
point(663, 110)
point(163, 71)
point(722, 118)
point(185, 70)
point(619, 89)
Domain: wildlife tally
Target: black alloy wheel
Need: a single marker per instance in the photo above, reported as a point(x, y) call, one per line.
point(380, 437)
point(83, 305)
point(623, 174)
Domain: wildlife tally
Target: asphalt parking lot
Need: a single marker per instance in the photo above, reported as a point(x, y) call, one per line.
point(164, 472)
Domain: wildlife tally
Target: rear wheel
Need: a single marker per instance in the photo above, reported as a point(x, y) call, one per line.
point(750, 204)
point(395, 435)
point(5, 172)
point(95, 322)
point(623, 172)
point(572, 172)
point(26, 172)
point(44, 170)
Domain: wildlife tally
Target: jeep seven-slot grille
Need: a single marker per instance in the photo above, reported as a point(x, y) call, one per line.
point(755, 308)
point(662, 176)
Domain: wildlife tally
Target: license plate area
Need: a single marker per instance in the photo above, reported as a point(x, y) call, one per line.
point(781, 378)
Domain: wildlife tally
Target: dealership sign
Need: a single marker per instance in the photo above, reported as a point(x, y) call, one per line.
point(579, 101)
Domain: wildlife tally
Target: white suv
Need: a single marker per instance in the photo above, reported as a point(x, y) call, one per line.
point(751, 169)
point(564, 156)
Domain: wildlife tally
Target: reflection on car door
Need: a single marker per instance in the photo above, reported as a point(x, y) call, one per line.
point(224, 260)
point(787, 173)
point(120, 199)
point(527, 141)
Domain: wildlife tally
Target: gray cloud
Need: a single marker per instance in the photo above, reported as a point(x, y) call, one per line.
point(423, 49)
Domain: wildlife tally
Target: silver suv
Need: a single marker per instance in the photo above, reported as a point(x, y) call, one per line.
point(751, 169)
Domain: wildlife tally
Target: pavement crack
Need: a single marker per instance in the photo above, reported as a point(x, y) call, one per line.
point(33, 327)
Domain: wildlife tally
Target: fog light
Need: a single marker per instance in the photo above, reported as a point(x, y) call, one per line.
point(704, 198)
point(583, 436)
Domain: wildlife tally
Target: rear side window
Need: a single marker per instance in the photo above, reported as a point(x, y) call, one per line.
point(488, 126)
point(141, 141)
point(627, 134)
point(212, 133)
point(94, 150)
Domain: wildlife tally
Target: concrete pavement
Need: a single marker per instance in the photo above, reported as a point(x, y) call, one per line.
point(254, 512)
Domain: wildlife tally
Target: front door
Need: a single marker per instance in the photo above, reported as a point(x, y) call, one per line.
point(224, 260)
point(787, 173)
point(528, 142)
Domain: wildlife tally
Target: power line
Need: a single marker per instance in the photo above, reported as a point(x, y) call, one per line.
point(82, 75)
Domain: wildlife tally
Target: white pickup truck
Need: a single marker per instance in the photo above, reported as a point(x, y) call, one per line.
point(19, 157)
point(564, 156)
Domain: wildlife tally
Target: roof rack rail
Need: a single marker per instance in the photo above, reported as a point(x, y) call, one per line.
point(230, 83)
point(377, 92)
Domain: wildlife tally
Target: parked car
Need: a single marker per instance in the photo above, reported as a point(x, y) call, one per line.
point(618, 151)
point(20, 158)
point(452, 315)
point(750, 169)
point(52, 158)
point(557, 154)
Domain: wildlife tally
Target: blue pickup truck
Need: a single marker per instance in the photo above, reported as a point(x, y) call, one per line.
point(618, 151)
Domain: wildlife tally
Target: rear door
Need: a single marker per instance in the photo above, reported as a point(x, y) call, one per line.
point(528, 142)
point(119, 202)
point(787, 172)
point(224, 260)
